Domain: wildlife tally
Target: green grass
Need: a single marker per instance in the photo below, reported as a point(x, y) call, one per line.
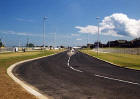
point(8, 88)
point(123, 60)
point(7, 58)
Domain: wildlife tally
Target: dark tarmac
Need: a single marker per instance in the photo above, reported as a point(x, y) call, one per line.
point(97, 79)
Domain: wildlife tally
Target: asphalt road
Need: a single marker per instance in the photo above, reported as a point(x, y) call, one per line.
point(80, 76)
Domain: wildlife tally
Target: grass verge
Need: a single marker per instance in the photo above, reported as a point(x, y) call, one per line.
point(123, 60)
point(8, 88)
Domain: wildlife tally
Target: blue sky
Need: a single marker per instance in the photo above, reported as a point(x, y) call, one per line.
point(22, 19)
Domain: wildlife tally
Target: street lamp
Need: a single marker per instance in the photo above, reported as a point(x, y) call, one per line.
point(87, 38)
point(54, 39)
point(44, 19)
point(98, 19)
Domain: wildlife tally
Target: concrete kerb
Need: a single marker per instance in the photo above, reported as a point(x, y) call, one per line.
point(108, 61)
point(29, 88)
point(103, 60)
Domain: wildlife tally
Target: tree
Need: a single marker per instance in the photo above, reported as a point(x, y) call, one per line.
point(62, 46)
point(1, 44)
point(30, 45)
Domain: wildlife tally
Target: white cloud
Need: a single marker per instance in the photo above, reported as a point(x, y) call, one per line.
point(117, 24)
point(24, 20)
point(78, 39)
point(19, 33)
point(75, 34)
point(88, 29)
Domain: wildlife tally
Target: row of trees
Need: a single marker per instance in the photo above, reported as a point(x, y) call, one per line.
point(30, 45)
point(117, 43)
point(1, 44)
point(27, 45)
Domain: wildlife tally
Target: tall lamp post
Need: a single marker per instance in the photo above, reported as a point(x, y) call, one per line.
point(98, 19)
point(44, 19)
point(54, 39)
point(87, 38)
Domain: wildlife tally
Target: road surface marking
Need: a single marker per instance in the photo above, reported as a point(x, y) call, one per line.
point(75, 69)
point(124, 81)
point(68, 62)
point(129, 82)
point(71, 66)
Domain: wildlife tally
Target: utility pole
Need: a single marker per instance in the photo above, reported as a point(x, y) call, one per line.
point(19, 44)
point(109, 44)
point(55, 39)
point(98, 19)
point(27, 42)
point(87, 38)
point(44, 19)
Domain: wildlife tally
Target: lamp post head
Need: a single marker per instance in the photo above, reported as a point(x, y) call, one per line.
point(45, 18)
point(97, 17)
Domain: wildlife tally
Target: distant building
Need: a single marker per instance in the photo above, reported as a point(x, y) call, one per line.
point(90, 45)
point(100, 44)
point(84, 46)
point(95, 45)
point(77, 47)
point(118, 43)
point(136, 42)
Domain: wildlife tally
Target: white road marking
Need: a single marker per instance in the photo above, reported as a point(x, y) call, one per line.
point(71, 66)
point(129, 82)
point(68, 62)
point(124, 81)
point(75, 69)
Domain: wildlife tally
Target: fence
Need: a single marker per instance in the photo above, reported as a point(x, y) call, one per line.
point(6, 49)
point(12, 49)
point(135, 51)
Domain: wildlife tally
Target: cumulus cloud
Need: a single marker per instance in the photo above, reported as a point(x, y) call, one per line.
point(117, 24)
point(88, 29)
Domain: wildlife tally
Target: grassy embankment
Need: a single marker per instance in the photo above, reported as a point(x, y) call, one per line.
point(8, 88)
point(123, 60)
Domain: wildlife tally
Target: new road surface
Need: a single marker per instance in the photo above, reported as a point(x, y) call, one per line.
point(75, 75)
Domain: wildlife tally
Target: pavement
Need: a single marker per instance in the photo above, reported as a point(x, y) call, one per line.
point(79, 76)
